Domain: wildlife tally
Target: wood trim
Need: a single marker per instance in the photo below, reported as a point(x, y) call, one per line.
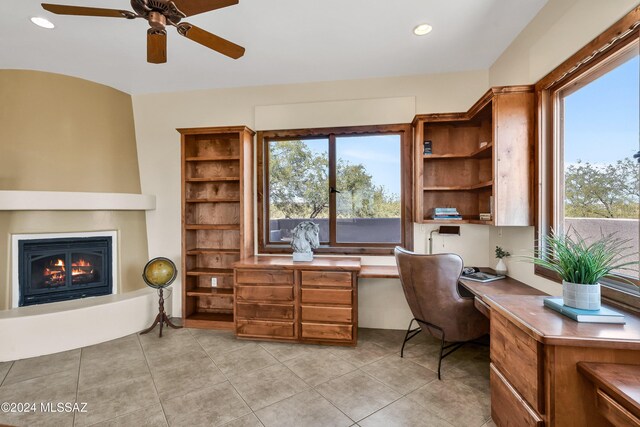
point(596, 55)
point(475, 108)
point(333, 183)
point(592, 53)
point(222, 129)
point(338, 248)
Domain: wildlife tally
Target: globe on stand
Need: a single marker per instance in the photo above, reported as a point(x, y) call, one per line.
point(159, 273)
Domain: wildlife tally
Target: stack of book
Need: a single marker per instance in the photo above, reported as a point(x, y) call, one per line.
point(445, 213)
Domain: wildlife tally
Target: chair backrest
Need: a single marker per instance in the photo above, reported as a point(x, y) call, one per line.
point(430, 284)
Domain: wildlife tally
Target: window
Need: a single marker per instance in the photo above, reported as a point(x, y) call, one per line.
point(589, 131)
point(353, 182)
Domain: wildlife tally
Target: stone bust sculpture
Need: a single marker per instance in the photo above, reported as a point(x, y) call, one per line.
point(305, 237)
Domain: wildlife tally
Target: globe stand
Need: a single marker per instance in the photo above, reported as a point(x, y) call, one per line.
point(161, 318)
point(159, 273)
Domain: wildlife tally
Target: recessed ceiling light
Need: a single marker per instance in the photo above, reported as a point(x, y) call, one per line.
point(422, 29)
point(42, 22)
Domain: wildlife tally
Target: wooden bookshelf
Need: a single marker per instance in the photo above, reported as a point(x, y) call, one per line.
point(217, 230)
point(481, 160)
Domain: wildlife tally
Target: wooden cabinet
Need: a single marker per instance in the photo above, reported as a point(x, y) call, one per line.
point(536, 364)
point(480, 162)
point(313, 302)
point(217, 226)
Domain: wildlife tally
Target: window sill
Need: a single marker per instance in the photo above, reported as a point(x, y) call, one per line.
point(616, 297)
point(379, 251)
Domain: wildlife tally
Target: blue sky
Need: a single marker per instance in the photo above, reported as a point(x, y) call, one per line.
point(379, 154)
point(602, 118)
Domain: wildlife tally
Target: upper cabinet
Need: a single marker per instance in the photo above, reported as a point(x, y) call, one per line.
point(479, 162)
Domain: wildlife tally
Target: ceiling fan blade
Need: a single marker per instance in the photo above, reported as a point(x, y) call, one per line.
point(194, 7)
point(60, 9)
point(211, 41)
point(156, 46)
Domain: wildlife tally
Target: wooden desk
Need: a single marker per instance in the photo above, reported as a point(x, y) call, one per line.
point(379, 272)
point(534, 357)
point(617, 391)
point(312, 302)
point(506, 286)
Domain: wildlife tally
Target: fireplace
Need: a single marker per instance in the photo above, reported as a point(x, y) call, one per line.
point(61, 269)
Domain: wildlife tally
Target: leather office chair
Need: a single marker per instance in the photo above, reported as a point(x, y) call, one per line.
point(430, 284)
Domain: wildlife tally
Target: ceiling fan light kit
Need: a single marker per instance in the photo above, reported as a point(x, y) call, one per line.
point(159, 14)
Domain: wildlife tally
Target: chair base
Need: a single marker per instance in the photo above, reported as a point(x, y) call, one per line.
point(445, 348)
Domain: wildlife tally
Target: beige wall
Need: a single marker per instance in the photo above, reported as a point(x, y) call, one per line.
point(559, 30)
point(60, 133)
point(158, 115)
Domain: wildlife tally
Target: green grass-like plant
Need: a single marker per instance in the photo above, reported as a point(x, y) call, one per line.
point(577, 261)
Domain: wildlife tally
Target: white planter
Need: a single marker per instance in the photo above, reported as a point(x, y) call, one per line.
point(585, 297)
point(501, 267)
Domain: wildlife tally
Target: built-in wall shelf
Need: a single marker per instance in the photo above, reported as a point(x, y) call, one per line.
point(15, 200)
point(479, 161)
point(217, 231)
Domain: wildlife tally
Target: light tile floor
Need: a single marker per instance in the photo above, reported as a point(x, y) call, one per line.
point(194, 377)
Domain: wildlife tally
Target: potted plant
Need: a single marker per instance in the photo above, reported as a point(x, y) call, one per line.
point(581, 265)
point(501, 267)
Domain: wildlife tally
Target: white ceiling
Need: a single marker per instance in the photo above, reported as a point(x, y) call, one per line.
point(286, 41)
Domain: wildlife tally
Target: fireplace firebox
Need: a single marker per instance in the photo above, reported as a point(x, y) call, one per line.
point(63, 269)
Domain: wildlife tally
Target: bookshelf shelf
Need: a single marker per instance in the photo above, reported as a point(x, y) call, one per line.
point(216, 194)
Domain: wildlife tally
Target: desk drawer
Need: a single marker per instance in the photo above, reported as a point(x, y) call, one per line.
point(256, 328)
point(326, 278)
point(482, 307)
point(264, 293)
point(264, 277)
point(326, 314)
point(326, 296)
point(507, 407)
point(264, 311)
point(327, 332)
point(615, 413)
point(519, 358)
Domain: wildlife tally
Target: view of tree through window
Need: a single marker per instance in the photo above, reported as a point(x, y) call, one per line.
point(600, 130)
point(367, 188)
point(368, 178)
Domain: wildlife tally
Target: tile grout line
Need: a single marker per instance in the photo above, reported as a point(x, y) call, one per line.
point(144, 353)
point(77, 385)
point(226, 378)
point(7, 374)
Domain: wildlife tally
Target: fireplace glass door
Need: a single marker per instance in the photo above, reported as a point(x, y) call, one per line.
point(62, 269)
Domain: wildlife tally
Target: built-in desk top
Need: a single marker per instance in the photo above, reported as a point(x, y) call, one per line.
point(552, 328)
point(620, 381)
point(286, 263)
point(506, 286)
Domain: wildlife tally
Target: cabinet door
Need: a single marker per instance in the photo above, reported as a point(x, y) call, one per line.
point(513, 167)
point(508, 408)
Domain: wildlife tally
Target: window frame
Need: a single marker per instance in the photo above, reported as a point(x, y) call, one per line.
point(600, 56)
point(334, 247)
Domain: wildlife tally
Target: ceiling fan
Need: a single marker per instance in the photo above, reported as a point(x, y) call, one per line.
point(161, 13)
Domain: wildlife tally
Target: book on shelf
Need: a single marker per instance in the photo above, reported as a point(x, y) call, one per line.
point(447, 217)
point(604, 315)
point(444, 211)
point(427, 148)
point(485, 217)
